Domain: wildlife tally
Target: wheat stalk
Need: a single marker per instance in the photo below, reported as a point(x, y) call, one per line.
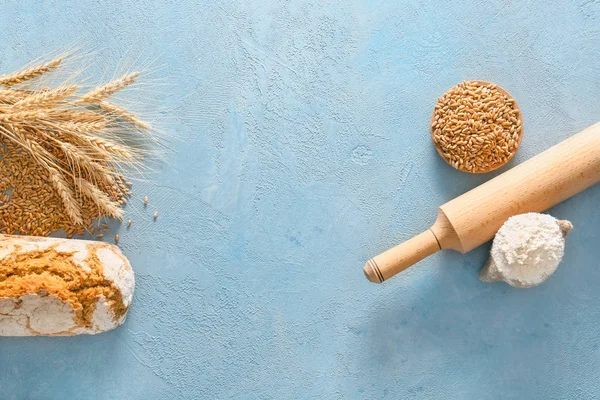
point(29, 73)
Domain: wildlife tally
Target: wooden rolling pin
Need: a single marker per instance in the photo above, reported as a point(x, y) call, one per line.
point(474, 218)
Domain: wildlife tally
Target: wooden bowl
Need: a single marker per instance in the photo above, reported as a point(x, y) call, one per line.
point(520, 131)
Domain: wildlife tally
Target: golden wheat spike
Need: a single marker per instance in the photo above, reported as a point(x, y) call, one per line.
point(29, 73)
point(109, 147)
point(109, 89)
point(101, 199)
point(65, 193)
point(123, 114)
point(83, 127)
point(21, 117)
point(11, 96)
point(46, 98)
point(81, 161)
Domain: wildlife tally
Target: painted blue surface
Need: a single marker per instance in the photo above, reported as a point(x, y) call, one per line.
point(303, 149)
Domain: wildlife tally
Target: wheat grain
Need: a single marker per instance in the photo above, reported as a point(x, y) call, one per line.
point(476, 126)
point(37, 152)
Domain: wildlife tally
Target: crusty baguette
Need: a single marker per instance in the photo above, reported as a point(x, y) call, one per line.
point(56, 287)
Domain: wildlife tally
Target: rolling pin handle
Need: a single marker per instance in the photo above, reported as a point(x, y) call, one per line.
point(398, 258)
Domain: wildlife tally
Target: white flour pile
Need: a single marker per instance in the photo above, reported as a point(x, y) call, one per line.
point(526, 250)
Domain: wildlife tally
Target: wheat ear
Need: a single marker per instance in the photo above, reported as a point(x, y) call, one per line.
point(103, 148)
point(95, 171)
point(65, 193)
point(80, 160)
point(11, 96)
point(29, 73)
point(109, 89)
point(100, 198)
point(21, 117)
point(39, 154)
point(108, 147)
point(76, 115)
point(123, 114)
point(47, 98)
point(82, 127)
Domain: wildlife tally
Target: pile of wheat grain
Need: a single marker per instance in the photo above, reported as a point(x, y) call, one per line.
point(62, 153)
point(476, 126)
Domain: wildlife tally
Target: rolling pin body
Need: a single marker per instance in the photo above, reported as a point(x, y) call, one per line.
point(474, 217)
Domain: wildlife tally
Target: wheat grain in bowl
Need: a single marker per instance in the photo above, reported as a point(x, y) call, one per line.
point(476, 126)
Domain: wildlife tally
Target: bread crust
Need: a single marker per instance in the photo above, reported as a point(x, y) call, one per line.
point(59, 287)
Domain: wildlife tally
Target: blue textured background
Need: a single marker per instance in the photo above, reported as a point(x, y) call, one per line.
point(303, 150)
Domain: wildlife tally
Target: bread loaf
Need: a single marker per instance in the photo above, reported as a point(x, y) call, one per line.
point(56, 287)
